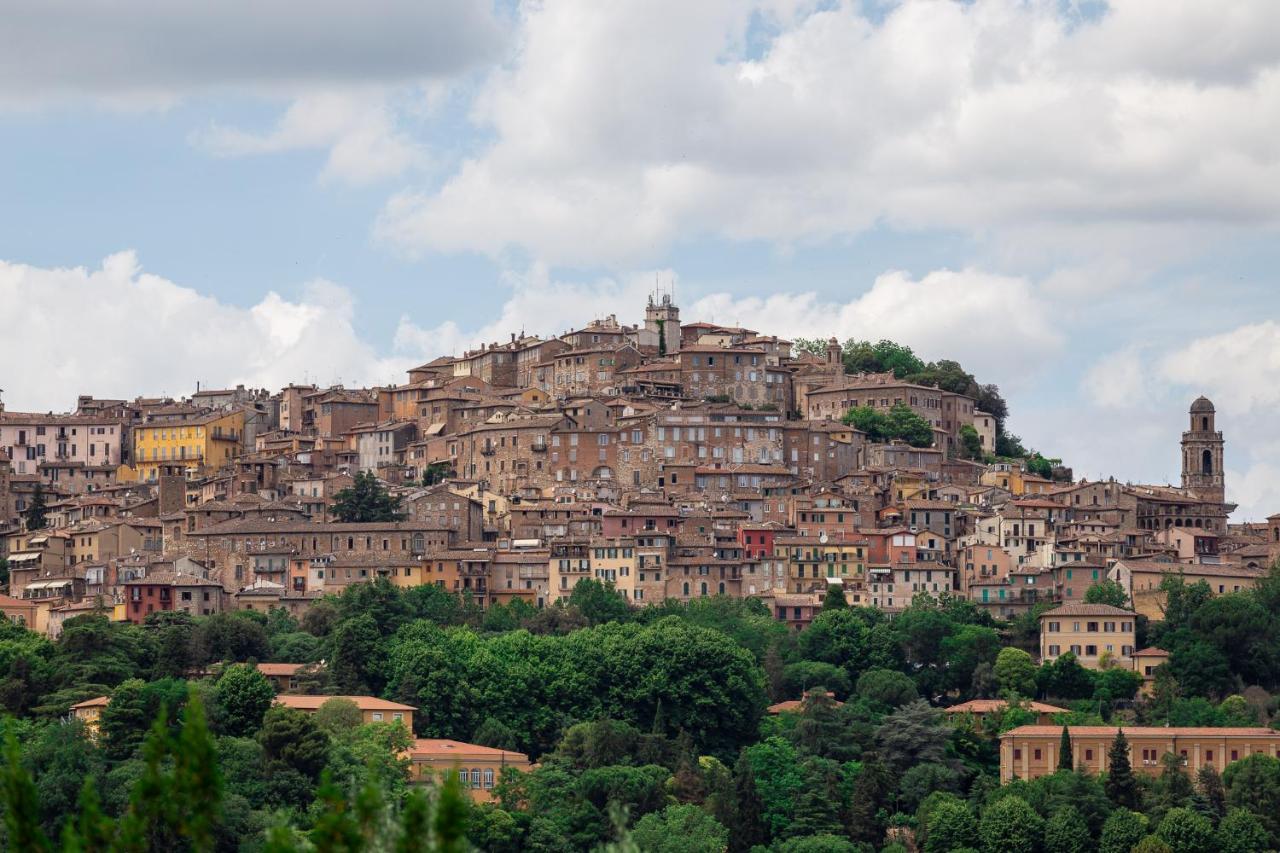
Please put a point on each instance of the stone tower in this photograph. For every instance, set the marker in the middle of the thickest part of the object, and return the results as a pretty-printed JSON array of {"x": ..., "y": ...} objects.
[
  {"x": 1202, "y": 454},
  {"x": 662, "y": 318}
]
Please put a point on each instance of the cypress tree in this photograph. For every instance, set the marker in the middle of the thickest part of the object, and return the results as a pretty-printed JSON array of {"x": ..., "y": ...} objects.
[
  {"x": 1064, "y": 751},
  {"x": 92, "y": 831},
  {"x": 1122, "y": 788},
  {"x": 747, "y": 830},
  {"x": 37, "y": 513},
  {"x": 22, "y": 809},
  {"x": 451, "y": 816}
]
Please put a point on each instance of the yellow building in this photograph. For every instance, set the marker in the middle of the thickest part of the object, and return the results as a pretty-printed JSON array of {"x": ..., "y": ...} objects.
[
  {"x": 191, "y": 443},
  {"x": 614, "y": 561},
  {"x": 89, "y": 712},
  {"x": 1029, "y": 752},
  {"x": 1094, "y": 633}
]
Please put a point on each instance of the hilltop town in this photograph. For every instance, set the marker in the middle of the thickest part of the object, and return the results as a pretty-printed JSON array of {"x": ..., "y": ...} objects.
[
  {"x": 830, "y": 567},
  {"x": 671, "y": 460}
]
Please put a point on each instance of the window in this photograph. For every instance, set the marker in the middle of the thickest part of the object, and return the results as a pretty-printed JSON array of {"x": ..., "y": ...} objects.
[
  {"x": 1017, "y": 754},
  {"x": 1036, "y": 755},
  {"x": 377, "y": 716},
  {"x": 488, "y": 778},
  {"x": 1088, "y": 755}
]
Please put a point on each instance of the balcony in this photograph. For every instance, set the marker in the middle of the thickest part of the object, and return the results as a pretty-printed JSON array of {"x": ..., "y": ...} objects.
[
  {"x": 538, "y": 447},
  {"x": 488, "y": 450}
]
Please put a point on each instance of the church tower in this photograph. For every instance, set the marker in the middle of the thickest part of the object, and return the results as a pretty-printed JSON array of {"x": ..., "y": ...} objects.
[
  {"x": 662, "y": 319},
  {"x": 1202, "y": 454}
]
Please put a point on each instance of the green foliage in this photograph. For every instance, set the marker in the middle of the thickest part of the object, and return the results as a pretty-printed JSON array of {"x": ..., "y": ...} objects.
[
  {"x": 1122, "y": 831},
  {"x": 1185, "y": 831},
  {"x": 900, "y": 423},
  {"x": 1107, "y": 592},
  {"x": 834, "y": 598},
  {"x": 242, "y": 696},
  {"x": 1066, "y": 832},
  {"x": 37, "y": 513},
  {"x": 366, "y": 500},
  {"x": 886, "y": 688},
  {"x": 949, "y": 826},
  {"x": 1253, "y": 784},
  {"x": 1009, "y": 825},
  {"x": 599, "y": 602},
  {"x": 1240, "y": 832},
  {"x": 680, "y": 829},
  {"x": 971, "y": 443},
  {"x": 1122, "y": 787}
]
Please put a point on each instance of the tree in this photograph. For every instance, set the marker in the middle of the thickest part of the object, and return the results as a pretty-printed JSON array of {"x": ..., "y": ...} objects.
[
  {"x": 834, "y": 599},
  {"x": 1210, "y": 789},
  {"x": 1240, "y": 832},
  {"x": 680, "y": 829},
  {"x": 887, "y": 688},
  {"x": 778, "y": 780},
  {"x": 1123, "y": 829},
  {"x": 904, "y": 424},
  {"x": 1107, "y": 592},
  {"x": 1009, "y": 825},
  {"x": 436, "y": 472},
  {"x": 913, "y": 734},
  {"x": 1016, "y": 672},
  {"x": 747, "y": 829},
  {"x": 1064, "y": 750},
  {"x": 1253, "y": 784},
  {"x": 366, "y": 500},
  {"x": 1067, "y": 832},
  {"x": 970, "y": 442},
  {"x": 338, "y": 716},
  {"x": 951, "y": 825},
  {"x": 599, "y": 601},
  {"x": 1066, "y": 678},
  {"x": 1185, "y": 831},
  {"x": 37, "y": 513},
  {"x": 229, "y": 637},
  {"x": 22, "y": 810},
  {"x": 1122, "y": 787},
  {"x": 242, "y": 696}
]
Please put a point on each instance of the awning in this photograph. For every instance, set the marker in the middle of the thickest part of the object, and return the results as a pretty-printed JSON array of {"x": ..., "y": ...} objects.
[
  {"x": 49, "y": 584},
  {"x": 434, "y": 429},
  {"x": 24, "y": 557}
]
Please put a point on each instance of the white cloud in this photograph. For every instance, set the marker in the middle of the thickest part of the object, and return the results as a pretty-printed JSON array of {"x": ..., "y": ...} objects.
[
  {"x": 622, "y": 128},
  {"x": 359, "y": 128},
  {"x": 1134, "y": 408},
  {"x": 996, "y": 326},
  {"x": 1239, "y": 368},
  {"x": 118, "y": 331}
]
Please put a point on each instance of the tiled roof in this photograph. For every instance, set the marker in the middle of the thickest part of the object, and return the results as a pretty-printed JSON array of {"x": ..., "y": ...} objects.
[{"x": 1144, "y": 731}]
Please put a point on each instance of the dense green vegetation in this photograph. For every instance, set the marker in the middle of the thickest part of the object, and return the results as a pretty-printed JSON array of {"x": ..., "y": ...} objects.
[
  {"x": 367, "y": 500},
  {"x": 897, "y": 424},
  {"x": 891, "y": 357},
  {"x": 649, "y": 727}
]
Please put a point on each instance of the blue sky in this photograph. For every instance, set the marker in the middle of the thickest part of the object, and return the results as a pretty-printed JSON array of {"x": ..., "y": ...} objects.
[{"x": 1078, "y": 201}]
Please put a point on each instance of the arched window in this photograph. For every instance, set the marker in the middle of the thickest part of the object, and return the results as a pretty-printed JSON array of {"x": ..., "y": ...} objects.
[
  {"x": 1204, "y": 424},
  {"x": 1206, "y": 462},
  {"x": 686, "y": 587},
  {"x": 704, "y": 588},
  {"x": 722, "y": 587}
]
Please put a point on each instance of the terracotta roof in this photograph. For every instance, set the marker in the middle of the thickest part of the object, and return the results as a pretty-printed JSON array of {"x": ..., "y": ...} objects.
[
  {"x": 279, "y": 668},
  {"x": 441, "y": 748},
  {"x": 364, "y": 703},
  {"x": 1144, "y": 731},
  {"x": 986, "y": 706},
  {"x": 1087, "y": 610},
  {"x": 1149, "y": 652},
  {"x": 96, "y": 702}
]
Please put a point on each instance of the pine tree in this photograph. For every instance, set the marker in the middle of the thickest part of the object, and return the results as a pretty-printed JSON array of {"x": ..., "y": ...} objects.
[
  {"x": 774, "y": 673},
  {"x": 22, "y": 809},
  {"x": 37, "y": 513},
  {"x": 415, "y": 824},
  {"x": 1210, "y": 789},
  {"x": 366, "y": 500},
  {"x": 870, "y": 790},
  {"x": 747, "y": 830},
  {"x": 197, "y": 785},
  {"x": 835, "y": 599},
  {"x": 1122, "y": 788},
  {"x": 1064, "y": 751},
  {"x": 91, "y": 831},
  {"x": 451, "y": 816}
]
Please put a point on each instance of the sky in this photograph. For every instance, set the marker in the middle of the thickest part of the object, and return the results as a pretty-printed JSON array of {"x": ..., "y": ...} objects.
[{"x": 1076, "y": 200}]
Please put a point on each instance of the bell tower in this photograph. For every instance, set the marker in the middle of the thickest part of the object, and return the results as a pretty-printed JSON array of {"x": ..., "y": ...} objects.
[
  {"x": 662, "y": 320},
  {"x": 1202, "y": 454}
]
